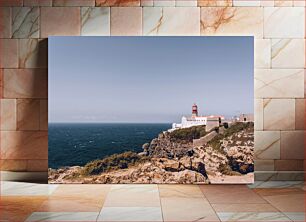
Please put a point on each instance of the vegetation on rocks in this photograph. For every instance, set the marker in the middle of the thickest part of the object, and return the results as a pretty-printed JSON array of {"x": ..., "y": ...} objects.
[
  {"x": 113, "y": 162},
  {"x": 188, "y": 134},
  {"x": 235, "y": 128}
]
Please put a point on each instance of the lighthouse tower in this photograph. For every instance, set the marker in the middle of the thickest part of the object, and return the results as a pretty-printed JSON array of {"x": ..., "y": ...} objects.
[{"x": 194, "y": 110}]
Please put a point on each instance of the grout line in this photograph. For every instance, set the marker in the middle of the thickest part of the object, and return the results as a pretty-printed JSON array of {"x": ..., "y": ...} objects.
[
  {"x": 209, "y": 201},
  {"x": 104, "y": 201},
  {"x": 161, "y": 208}
]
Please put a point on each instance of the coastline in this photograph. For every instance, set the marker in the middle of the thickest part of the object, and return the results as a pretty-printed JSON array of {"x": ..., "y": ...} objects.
[{"x": 167, "y": 159}]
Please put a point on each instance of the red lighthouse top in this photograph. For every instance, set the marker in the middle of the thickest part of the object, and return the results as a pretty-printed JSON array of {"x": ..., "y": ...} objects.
[{"x": 194, "y": 110}]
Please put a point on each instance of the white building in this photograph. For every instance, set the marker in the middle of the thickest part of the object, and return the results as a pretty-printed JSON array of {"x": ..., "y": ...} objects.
[{"x": 196, "y": 120}]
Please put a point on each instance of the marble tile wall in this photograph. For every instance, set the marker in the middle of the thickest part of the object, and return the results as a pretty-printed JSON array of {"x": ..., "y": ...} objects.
[{"x": 277, "y": 25}]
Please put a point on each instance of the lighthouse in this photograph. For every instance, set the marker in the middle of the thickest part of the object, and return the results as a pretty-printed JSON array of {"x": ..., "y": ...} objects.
[
  {"x": 194, "y": 110},
  {"x": 195, "y": 120}
]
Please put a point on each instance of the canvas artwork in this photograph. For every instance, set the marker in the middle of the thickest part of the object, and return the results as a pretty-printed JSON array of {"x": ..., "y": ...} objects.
[{"x": 151, "y": 110}]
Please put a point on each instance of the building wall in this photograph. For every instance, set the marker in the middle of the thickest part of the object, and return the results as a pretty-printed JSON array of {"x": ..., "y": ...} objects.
[{"x": 278, "y": 27}]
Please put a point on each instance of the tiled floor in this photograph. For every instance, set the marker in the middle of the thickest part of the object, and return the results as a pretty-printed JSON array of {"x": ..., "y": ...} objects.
[{"x": 269, "y": 201}]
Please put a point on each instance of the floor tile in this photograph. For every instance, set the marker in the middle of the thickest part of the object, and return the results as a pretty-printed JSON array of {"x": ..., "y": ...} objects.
[
  {"x": 96, "y": 191},
  {"x": 230, "y": 194},
  {"x": 187, "y": 209},
  {"x": 253, "y": 216},
  {"x": 63, "y": 216},
  {"x": 26, "y": 189},
  {"x": 266, "y": 192},
  {"x": 188, "y": 191},
  {"x": 71, "y": 204},
  {"x": 262, "y": 207},
  {"x": 296, "y": 216},
  {"x": 284, "y": 199},
  {"x": 18, "y": 208},
  {"x": 133, "y": 196},
  {"x": 130, "y": 214}
]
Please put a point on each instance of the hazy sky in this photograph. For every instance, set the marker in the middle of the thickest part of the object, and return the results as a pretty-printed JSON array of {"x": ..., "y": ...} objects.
[{"x": 148, "y": 79}]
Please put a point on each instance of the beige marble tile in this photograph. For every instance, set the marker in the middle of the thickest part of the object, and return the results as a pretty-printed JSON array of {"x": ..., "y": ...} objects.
[
  {"x": 91, "y": 191},
  {"x": 5, "y": 22},
  {"x": 262, "y": 52},
  {"x": 212, "y": 3},
  {"x": 276, "y": 184},
  {"x": 26, "y": 189},
  {"x": 133, "y": 196},
  {"x": 73, "y": 2},
  {"x": 25, "y": 83},
  {"x": 33, "y": 53},
  {"x": 187, "y": 209},
  {"x": 230, "y": 194},
  {"x": 288, "y": 53},
  {"x": 164, "y": 3},
  {"x": 8, "y": 53},
  {"x": 299, "y": 3},
  {"x": 305, "y": 83},
  {"x": 1, "y": 83},
  {"x": 249, "y": 3},
  {"x": 51, "y": 17},
  {"x": 8, "y": 114},
  {"x": 130, "y": 214},
  {"x": 24, "y": 145},
  {"x": 13, "y": 165},
  {"x": 171, "y": 21},
  {"x": 63, "y": 216},
  {"x": 123, "y": 3},
  {"x": 285, "y": 199},
  {"x": 253, "y": 216},
  {"x": 28, "y": 114},
  {"x": 279, "y": 114},
  {"x": 95, "y": 21},
  {"x": 25, "y": 22},
  {"x": 37, "y": 2},
  {"x": 37, "y": 165},
  {"x": 71, "y": 204},
  {"x": 258, "y": 114},
  {"x": 278, "y": 22},
  {"x": 279, "y": 83},
  {"x": 232, "y": 21},
  {"x": 262, "y": 207},
  {"x": 126, "y": 21},
  {"x": 186, "y": 3},
  {"x": 296, "y": 216},
  {"x": 146, "y": 3},
  {"x": 43, "y": 116},
  {"x": 279, "y": 176},
  {"x": 289, "y": 165},
  {"x": 267, "y": 3},
  {"x": 300, "y": 114},
  {"x": 18, "y": 208},
  {"x": 292, "y": 144},
  {"x": 264, "y": 165},
  {"x": 5, "y": 3},
  {"x": 283, "y": 3},
  {"x": 267, "y": 145},
  {"x": 179, "y": 191}
]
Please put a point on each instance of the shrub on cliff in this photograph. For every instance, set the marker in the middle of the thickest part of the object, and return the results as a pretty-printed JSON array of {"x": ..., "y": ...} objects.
[
  {"x": 113, "y": 162},
  {"x": 231, "y": 130},
  {"x": 188, "y": 134}
]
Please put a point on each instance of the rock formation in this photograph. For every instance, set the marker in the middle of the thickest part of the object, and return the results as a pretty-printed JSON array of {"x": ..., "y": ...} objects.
[{"x": 221, "y": 152}]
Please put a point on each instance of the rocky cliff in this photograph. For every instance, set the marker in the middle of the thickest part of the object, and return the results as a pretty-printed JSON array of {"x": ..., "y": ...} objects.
[{"x": 173, "y": 158}]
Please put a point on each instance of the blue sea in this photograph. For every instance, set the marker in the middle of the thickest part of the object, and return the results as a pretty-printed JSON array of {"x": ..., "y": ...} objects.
[{"x": 72, "y": 144}]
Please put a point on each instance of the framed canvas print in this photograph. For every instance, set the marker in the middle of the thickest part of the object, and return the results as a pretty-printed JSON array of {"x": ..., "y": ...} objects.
[{"x": 151, "y": 110}]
